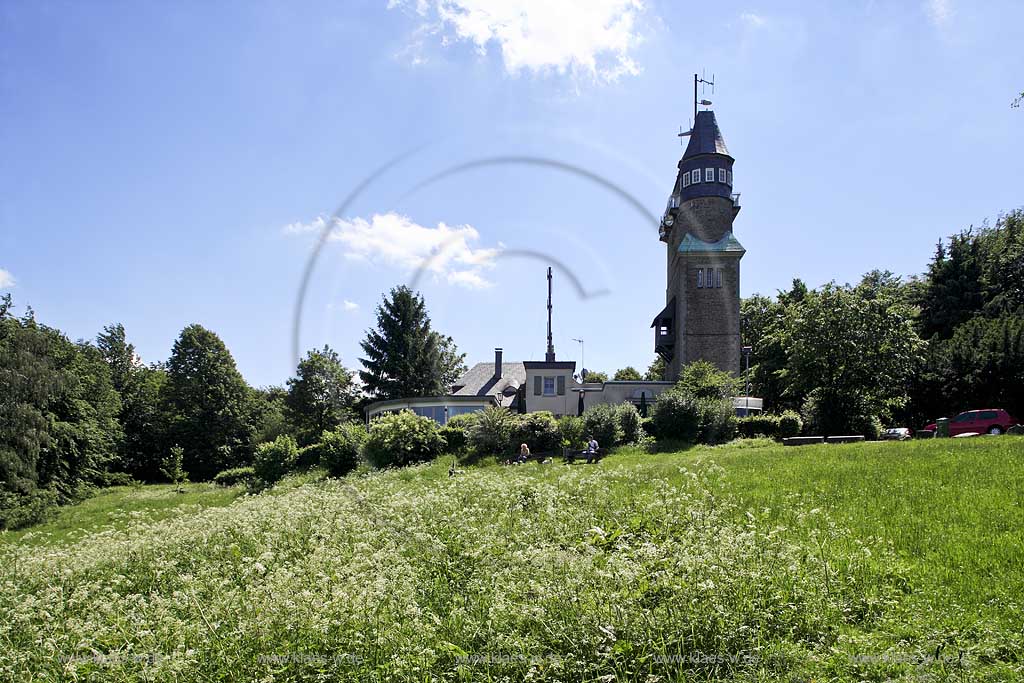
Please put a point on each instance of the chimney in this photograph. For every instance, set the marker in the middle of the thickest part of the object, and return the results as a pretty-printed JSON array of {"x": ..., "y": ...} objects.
[{"x": 497, "y": 363}]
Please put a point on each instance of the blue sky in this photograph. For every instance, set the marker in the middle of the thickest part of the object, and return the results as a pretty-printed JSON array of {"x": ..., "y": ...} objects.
[{"x": 170, "y": 163}]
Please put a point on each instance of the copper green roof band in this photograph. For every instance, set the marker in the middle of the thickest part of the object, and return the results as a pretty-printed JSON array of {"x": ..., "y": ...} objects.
[{"x": 690, "y": 244}]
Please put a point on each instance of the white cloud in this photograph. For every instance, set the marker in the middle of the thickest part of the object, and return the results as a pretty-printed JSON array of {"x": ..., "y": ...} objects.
[
  {"x": 395, "y": 240},
  {"x": 6, "y": 279},
  {"x": 351, "y": 306},
  {"x": 752, "y": 20},
  {"x": 940, "y": 12},
  {"x": 582, "y": 37}
]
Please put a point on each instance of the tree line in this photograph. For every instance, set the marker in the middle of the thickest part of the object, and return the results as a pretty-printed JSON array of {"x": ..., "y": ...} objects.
[{"x": 75, "y": 415}]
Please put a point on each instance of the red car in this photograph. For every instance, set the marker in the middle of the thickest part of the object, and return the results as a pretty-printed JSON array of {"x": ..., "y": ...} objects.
[{"x": 987, "y": 421}]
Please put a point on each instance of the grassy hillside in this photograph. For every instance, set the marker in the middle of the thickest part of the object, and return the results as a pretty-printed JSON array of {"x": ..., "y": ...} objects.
[{"x": 747, "y": 562}]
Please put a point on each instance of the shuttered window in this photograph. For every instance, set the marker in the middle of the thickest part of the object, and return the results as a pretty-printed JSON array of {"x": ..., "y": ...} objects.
[
  {"x": 561, "y": 385},
  {"x": 538, "y": 385}
]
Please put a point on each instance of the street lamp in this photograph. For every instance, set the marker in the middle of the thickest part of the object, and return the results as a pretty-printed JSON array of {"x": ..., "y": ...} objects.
[{"x": 583, "y": 370}]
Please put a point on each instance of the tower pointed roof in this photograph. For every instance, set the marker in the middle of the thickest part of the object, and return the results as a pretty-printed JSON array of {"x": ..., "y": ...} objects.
[{"x": 705, "y": 138}]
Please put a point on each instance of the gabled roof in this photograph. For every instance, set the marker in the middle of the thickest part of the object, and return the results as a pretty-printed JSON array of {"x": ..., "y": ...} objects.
[
  {"x": 479, "y": 380},
  {"x": 705, "y": 138},
  {"x": 690, "y": 244}
]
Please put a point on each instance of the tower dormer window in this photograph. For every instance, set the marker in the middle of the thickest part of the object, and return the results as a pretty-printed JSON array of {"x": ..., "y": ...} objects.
[
  {"x": 686, "y": 180},
  {"x": 709, "y": 175},
  {"x": 700, "y": 278},
  {"x": 695, "y": 176},
  {"x": 721, "y": 175}
]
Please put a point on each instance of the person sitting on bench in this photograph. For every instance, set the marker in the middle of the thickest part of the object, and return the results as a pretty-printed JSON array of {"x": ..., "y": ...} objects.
[{"x": 591, "y": 450}]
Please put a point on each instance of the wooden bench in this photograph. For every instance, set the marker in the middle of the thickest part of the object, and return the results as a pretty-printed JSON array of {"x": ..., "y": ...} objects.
[
  {"x": 516, "y": 459},
  {"x": 848, "y": 438},
  {"x": 571, "y": 455},
  {"x": 803, "y": 440}
]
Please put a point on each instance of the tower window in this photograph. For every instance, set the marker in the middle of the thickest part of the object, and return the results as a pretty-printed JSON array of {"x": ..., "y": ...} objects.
[
  {"x": 700, "y": 278},
  {"x": 686, "y": 180},
  {"x": 721, "y": 175},
  {"x": 718, "y": 278},
  {"x": 695, "y": 176},
  {"x": 709, "y": 175},
  {"x": 729, "y": 176}
]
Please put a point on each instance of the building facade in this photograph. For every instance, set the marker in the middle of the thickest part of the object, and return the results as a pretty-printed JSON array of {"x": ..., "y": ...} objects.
[{"x": 701, "y": 318}]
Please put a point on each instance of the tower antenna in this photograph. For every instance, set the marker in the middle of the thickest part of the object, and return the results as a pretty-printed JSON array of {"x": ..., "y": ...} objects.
[
  {"x": 550, "y": 355},
  {"x": 703, "y": 81}
]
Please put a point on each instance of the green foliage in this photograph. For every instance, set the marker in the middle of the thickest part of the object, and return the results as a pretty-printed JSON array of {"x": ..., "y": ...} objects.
[
  {"x": 340, "y": 449},
  {"x": 493, "y": 431},
  {"x": 602, "y": 423},
  {"x": 269, "y": 413},
  {"x": 596, "y": 376},
  {"x": 828, "y": 412},
  {"x": 656, "y": 370},
  {"x": 790, "y": 424},
  {"x": 276, "y": 458},
  {"x": 404, "y": 356},
  {"x": 173, "y": 466},
  {"x": 145, "y": 422},
  {"x": 703, "y": 380},
  {"x": 455, "y": 438},
  {"x": 571, "y": 431},
  {"x": 676, "y": 416},
  {"x": 627, "y": 373},
  {"x": 22, "y": 509},
  {"x": 753, "y": 426},
  {"x": 463, "y": 421},
  {"x": 235, "y": 476},
  {"x": 629, "y": 423},
  {"x": 320, "y": 396},
  {"x": 209, "y": 402},
  {"x": 539, "y": 431},
  {"x": 401, "y": 439}
]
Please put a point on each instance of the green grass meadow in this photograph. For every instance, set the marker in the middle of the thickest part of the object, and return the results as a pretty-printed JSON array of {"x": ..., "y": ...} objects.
[{"x": 744, "y": 562}]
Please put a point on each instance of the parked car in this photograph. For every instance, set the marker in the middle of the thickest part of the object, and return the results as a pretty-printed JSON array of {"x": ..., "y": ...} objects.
[
  {"x": 986, "y": 421},
  {"x": 896, "y": 434}
]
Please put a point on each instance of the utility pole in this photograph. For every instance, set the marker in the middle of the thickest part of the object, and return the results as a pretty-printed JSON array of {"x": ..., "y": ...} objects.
[{"x": 550, "y": 355}]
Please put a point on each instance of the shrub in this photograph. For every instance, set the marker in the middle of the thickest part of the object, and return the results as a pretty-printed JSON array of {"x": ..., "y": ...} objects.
[
  {"x": 571, "y": 431},
  {"x": 402, "y": 439},
  {"x": 309, "y": 457},
  {"x": 234, "y": 476},
  {"x": 340, "y": 448},
  {"x": 629, "y": 423},
  {"x": 703, "y": 380},
  {"x": 455, "y": 438},
  {"x": 717, "y": 420},
  {"x": 19, "y": 510},
  {"x": 276, "y": 458},
  {"x": 647, "y": 425},
  {"x": 464, "y": 421},
  {"x": 831, "y": 413},
  {"x": 753, "y": 426},
  {"x": 790, "y": 424},
  {"x": 676, "y": 415},
  {"x": 602, "y": 422},
  {"x": 493, "y": 430},
  {"x": 537, "y": 430}
]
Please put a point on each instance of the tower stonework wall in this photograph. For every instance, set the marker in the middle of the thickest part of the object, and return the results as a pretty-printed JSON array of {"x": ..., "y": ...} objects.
[{"x": 702, "y": 249}]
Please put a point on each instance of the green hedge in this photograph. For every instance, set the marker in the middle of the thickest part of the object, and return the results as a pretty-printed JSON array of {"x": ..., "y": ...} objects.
[
  {"x": 235, "y": 475},
  {"x": 781, "y": 426}
]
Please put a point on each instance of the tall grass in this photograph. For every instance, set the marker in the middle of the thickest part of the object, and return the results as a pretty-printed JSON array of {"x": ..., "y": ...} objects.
[{"x": 871, "y": 562}]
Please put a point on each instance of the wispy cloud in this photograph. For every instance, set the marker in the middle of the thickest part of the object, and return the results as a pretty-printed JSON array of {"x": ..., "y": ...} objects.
[
  {"x": 752, "y": 19},
  {"x": 6, "y": 279},
  {"x": 939, "y": 12},
  {"x": 592, "y": 38},
  {"x": 395, "y": 240},
  {"x": 350, "y": 306}
]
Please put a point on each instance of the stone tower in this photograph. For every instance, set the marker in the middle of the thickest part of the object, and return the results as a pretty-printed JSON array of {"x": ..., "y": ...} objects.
[{"x": 701, "y": 319}]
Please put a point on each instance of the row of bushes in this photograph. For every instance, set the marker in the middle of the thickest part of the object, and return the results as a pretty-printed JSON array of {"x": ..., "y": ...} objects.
[{"x": 781, "y": 426}]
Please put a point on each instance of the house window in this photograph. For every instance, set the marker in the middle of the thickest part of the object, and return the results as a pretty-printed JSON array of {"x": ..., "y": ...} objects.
[
  {"x": 695, "y": 176},
  {"x": 718, "y": 278},
  {"x": 721, "y": 175},
  {"x": 709, "y": 175},
  {"x": 700, "y": 278},
  {"x": 686, "y": 180},
  {"x": 549, "y": 386}
]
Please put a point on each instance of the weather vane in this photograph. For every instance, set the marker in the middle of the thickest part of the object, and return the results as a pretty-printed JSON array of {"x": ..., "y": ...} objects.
[{"x": 702, "y": 80}]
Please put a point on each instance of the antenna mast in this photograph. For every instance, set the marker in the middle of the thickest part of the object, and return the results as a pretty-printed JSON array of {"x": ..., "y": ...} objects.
[
  {"x": 550, "y": 355},
  {"x": 703, "y": 81}
]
